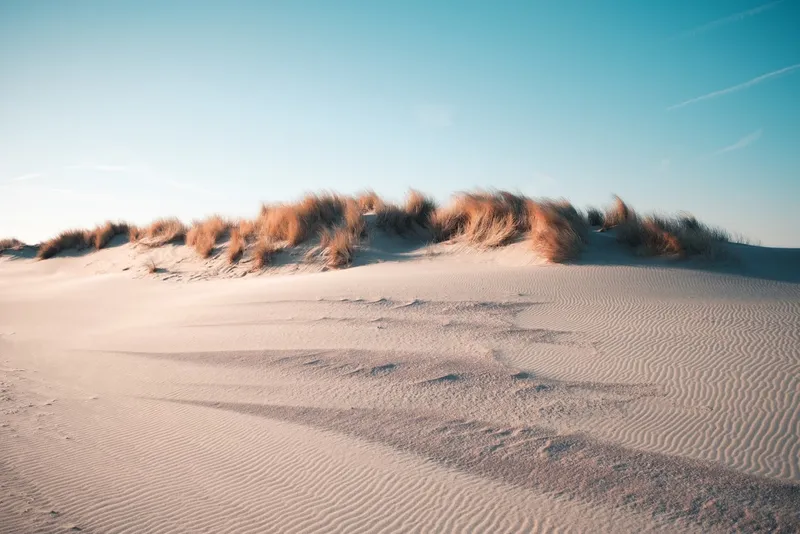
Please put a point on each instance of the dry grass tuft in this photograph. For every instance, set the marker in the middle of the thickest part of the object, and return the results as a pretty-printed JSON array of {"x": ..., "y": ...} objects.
[
  {"x": 594, "y": 217},
  {"x": 354, "y": 219},
  {"x": 71, "y": 239},
  {"x": 104, "y": 233},
  {"x": 557, "y": 231},
  {"x": 263, "y": 253},
  {"x": 482, "y": 218},
  {"x": 338, "y": 247},
  {"x": 369, "y": 201},
  {"x": 294, "y": 223},
  {"x": 236, "y": 246},
  {"x": 415, "y": 215},
  {"x": 151, "y": 266},
  {"x": 203, "y": 235},
  {"x": 159, "y": 233},
  {"x": 10, "y": 244},
  {"x": 618, "y": 213},
  {"x": 680, "y": 236}
]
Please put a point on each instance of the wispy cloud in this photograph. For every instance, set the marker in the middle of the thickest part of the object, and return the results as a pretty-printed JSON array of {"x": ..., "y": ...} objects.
[
  {"x": 26, "y": 177},
  {"x": 728, "y": 20},
  {"x": 740, "y": 87},
  {"x": 100, "y": 168},
  {"x": 745, "y": 141}
]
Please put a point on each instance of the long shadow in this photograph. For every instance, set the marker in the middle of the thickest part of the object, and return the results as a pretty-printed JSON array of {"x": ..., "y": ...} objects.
[{"x": 765, "y": 263}]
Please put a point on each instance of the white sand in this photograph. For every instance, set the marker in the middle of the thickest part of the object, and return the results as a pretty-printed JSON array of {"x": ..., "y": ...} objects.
[{"x": 425, "y": 391}]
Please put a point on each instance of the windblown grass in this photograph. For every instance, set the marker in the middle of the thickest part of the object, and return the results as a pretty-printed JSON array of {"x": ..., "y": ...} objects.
[
  {"x": 263, "y": 252},
  {"x": 369, "y": 201},
  {"x": 338, "y": 247},
  {"x": 10, "y": 244},
  {"x": 678, "y": 236},
  {"x": 555, "y": 229},
  {"x": 102, "y": 235},
  {"x": 159, "y": 233},
  {"x": 294, "y": 223},
  {"x": 558, "y": 232},
  {"x": 414, "y": 216},
  {"x": 68, "y": 240},
  {"x": 618, "y": 213},
  {"x": 488, "y": 219},
  {"x": 595, "y": 217},
  {"x": 203, "y": 235},
  {"x": 236, "y": 246}
]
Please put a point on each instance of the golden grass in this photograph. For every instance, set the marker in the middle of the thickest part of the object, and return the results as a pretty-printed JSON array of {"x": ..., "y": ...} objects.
[
  {"x": 102, "y": 234},
  {"x": 679, "y": 236},
  {"x": 263, "y": 252},
  {"x": 159, "y": 232},
  {"x": 294, "y": 223},
  {"x": 70, "y": 239},
  {"x": 338, "y": 247},
  {"x": 151, "y": 266},
  {"x": 10, "y": 244},
  {"x": 203, "y": 235},
  {"x": 489, "y": 219},
  {"x": 618, "y": 213},
  {"x": 414, "y": 215},
  {"x": 557, "y": 230},
  {"x": 369, "y": 201},
  {"x": 236, "y": 246}
]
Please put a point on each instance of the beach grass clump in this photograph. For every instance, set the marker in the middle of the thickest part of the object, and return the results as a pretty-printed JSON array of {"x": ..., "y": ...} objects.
[
  {"x": 678, "y": 236},
  {"x": 159, "y": 233},
  {"x": 236, "y": 245},
  {"x": 68, "y": 240},
  {"x": 369, "y": 201},
  {"x": 595, "y": 217},
  {"x": 414, "y": 215},
  {"x": 102, "y": 234},
  {"x": 10, "y": 244},
  {"x": 338, "y": 247},
  {"x": 294, "y": 223},
  {"x": 263, "y": 252},
  {"x": 488, "y": 219},
  {"x": 616, "y": 214},
  {"x": 203, "y": 235},
  {"x": 558, "y": 232}
]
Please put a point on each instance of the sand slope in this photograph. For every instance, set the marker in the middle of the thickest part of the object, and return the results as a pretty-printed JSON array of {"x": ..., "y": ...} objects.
[{"x": 440, "y": 390}]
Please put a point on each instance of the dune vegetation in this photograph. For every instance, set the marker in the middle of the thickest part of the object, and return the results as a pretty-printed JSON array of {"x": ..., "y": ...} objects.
[{"x": 332, "y": 227}]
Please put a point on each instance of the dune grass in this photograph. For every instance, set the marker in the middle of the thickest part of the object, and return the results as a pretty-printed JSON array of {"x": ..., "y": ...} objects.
[
  {"x": 159, "y": 233},
  {"x": 203, "y": 235},
  {"x": 595, "y": 217},
  {"x": 263, "y": 252},
  {"x": 236, "y": 246},
  {"x": 555, "y": 229},
  {"x": 485, "y": 219},
  {"x": 558, "y": 232},
  {"x": 10, "y": 244},
  {"x": 338, "y": 246},
  {"x": 414, "y": 216}
]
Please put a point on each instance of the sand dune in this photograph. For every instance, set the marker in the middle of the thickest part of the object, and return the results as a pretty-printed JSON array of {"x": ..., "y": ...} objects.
[{"x": 436, "y": 389}]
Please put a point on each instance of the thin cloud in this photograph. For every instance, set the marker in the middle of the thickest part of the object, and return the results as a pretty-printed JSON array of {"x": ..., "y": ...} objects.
[
  {"x": 736, "y": 17},
  {"x": 26, "y": 177},
  {"x": 100, "y": 168},
  {"x": 740, "y": 87},
  {"x": 745, "y": 141}
]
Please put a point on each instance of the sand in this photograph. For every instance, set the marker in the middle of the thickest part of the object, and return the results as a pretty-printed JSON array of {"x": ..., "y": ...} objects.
[{"x": 427, "y": 389}]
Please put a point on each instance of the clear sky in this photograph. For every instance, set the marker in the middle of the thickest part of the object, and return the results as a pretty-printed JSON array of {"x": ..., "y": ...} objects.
[{"x": 140, "y": 109}]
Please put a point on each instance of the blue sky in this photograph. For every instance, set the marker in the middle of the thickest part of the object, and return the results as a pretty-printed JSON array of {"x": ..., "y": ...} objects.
[{"x": 141, "y": 109}]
